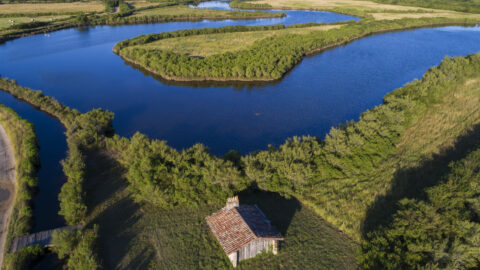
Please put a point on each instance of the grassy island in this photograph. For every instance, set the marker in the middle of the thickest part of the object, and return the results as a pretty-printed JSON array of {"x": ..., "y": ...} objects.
[{"x": 267, "y": 55}]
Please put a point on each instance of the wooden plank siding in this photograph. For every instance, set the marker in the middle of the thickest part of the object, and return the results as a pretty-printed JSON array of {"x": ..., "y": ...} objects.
[{"x": 255, "y": 247}]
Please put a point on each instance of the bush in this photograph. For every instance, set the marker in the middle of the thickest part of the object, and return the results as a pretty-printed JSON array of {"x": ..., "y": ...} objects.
[{"x": 442, "y": 231}]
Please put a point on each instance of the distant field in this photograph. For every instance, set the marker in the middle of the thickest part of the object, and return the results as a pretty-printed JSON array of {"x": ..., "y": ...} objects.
[
  {"x": 458, "y": 5},
  {"x": 142, "y": 236},
  {"x": 5, "y": 22},
  {"x": 141, "y": 3},
  {"x": 94, "y": 6},
  {"x": 186, "y": 11},
  {"x": 379, "y": 11},
  {"x": 205, "y": 45},
  {"x": 357, "y": 4}
]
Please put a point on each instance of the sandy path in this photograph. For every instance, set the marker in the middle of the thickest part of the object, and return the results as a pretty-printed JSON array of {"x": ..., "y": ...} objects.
[{"x": 7, "y": 186}]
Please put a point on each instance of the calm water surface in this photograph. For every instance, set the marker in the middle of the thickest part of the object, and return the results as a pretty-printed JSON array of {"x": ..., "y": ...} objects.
[{"x": 78, "y": 67}]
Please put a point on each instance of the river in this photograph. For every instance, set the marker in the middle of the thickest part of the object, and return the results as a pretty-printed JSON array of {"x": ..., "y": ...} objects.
[{"x": 78, "y": 67}]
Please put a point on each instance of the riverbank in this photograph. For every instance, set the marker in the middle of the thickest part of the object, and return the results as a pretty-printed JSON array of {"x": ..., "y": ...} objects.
[
  {"x": 158, "y": 13},
  {"x": 19, "y": 166},
  {"x": 7, "y": 187}
]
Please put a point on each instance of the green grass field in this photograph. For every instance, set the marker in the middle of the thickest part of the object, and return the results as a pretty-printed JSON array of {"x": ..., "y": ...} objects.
[
  {"x": 142, "y": 236},
  {"x": 5, "y": 22},
  {"x": 205, "y": 45},
  {"x": 24, "y": 8}
]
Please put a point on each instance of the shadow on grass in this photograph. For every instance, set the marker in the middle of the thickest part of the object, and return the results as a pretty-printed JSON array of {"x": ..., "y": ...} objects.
[
  {"x": 111, "y": 207},
  {"x": 412, "y": 182},
  {"x": 310, "y": 242},
  {"x": 279, "y": 210}
]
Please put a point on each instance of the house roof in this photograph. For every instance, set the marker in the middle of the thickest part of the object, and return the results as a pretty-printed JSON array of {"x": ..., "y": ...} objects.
[{"x": 237, "y": 226}]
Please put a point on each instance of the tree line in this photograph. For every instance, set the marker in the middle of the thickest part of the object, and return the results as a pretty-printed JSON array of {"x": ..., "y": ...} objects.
[
  {"x": 84, "y": 132},
  {"x": 246, "y": 5}
]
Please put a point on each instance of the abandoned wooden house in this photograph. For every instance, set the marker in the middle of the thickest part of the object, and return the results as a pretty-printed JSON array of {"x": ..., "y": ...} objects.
[{"x": 243, "y": 231}]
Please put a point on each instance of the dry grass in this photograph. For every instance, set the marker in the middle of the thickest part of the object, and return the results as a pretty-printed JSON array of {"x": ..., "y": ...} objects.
[
  {"x": 205, "y": 45},
  {"x": 433, "y": 134},
  {"x": 439, "y": 127},
  {"x": 443, "y": 14},
  {"x": 93, "y": 6},
  {"x": 141, "y": 3},
  {"x": 319, "y": 4},
  {"x": 182, "y": 10},
  {"x": 377, "y": 10}
]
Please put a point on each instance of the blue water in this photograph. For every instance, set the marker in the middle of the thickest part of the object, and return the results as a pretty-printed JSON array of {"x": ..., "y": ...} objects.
[
  {"x": 78, "y": 67},
  {"x": 293, "y": 16},
  {"x": 50, "y": 134}
]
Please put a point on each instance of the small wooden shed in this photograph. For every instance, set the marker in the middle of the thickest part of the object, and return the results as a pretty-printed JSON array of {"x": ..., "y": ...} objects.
[{"x": 243, "y": 231}]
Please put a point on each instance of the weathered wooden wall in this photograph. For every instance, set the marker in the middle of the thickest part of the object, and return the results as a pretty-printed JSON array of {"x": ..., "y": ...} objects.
[{"x": 255, "y": 247}]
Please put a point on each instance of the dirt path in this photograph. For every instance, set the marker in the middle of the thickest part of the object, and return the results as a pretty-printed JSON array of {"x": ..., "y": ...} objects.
[{"x": 7, "y": 186}]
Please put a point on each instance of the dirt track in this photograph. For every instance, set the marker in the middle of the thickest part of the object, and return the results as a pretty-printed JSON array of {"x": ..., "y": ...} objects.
[{"x": 7, "y": 186}]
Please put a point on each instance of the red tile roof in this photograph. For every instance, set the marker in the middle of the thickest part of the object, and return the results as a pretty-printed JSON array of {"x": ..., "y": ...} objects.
[{"x": 238, "y": 226}]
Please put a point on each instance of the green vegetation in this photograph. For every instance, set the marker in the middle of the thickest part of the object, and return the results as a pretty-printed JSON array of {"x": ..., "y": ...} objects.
[
  {"x": 266, "y": 59},
  {"x": 471, "y": 6},
  {"x": 342, "y": 176},
  {"x": 142, "y": 235},
  {"x": 22, "y": 137},
  {"x": 77, "y": 246},
  {"x": 382, "y": 179},
  {"x": 206, "y": 45},
  {"x": 162, "y": 176},
  {"x": 24, "y": 258},
  {"x": 348, "y": 178},
  {"x": 84, "y": 132},
  {"x": 439, "y": 231},
  {"x": 167, "y": 13},
  {"x": 244, "y": 5}
]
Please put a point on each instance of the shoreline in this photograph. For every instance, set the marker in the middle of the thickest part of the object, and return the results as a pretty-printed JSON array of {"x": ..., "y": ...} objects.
[{"x": 7, "y": 181}]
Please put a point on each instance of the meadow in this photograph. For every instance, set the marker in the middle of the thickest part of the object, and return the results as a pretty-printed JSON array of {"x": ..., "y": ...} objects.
[
  {"x": 205, "y": 45},
  {"x": 142, "y": 235}
]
